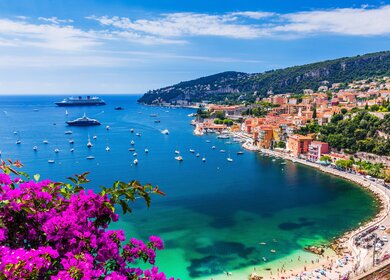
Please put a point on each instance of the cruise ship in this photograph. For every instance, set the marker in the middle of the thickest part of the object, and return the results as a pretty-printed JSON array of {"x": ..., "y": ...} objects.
[
  {"x": 84, "y": 121},
  {"x": 80, "y": 101}
]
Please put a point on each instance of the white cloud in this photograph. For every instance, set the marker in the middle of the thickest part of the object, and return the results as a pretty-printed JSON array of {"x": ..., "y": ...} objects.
[
  {"x": 52, "y": 36},
  {"x": 253, "y": 15},
  {"x": 55, "y": 20}
]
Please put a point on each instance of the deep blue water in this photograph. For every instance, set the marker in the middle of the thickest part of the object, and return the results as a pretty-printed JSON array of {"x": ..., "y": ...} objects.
[{"x": 215, "y": 213}]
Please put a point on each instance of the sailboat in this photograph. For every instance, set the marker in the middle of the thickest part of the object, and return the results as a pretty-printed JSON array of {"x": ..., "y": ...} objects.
[
  {"x": 18, "y": 141},
  {"x": 66, "y": 112},
  {"x": 89, "y": 144}
]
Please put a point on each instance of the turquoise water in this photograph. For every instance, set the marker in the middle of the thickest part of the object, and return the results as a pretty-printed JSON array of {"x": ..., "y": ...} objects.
[{"x": 216, "y": 213}]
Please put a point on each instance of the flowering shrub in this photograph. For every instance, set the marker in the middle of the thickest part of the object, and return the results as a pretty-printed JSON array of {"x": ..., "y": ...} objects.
[{"x": 51, "y": 230}]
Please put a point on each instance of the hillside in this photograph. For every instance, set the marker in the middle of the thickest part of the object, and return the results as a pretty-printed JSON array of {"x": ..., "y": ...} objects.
[{"x": 243, "y": 86}]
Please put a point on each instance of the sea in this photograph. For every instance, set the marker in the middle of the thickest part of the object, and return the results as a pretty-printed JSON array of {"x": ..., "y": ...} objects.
[{"x": 217, "y": 217}]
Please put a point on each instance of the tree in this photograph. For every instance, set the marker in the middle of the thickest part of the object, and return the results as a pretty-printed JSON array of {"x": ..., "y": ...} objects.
[
  {"x": 219, "y": 115},
  {"x": 53, "y": 230},
  {"x": 336, "y": 118},
  {"x": 344, "y": 164},
  {"x": 344, "y": 111},
  {"x": 325, "y": 158},
  {"x": 314, "y": 113},
  {"x": 281, "y": 144}
]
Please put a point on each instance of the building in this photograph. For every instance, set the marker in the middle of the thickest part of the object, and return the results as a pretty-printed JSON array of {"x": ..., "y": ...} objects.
[
  {"x": 298, "y": 144},
  {"x": 265, "y": 136},
  {"x": 317, "y": 149}
]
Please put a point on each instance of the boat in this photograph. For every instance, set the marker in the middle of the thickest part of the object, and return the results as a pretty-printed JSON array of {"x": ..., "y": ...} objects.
[
  {"x": 15, "y": 132},
  {"x": 273, "y": 251},
  {"x": 119, "y": 108},
  {"x": 107, "y": 127},
  {"x": 107, "y": 149},
  {"x": 51, "y": 161},
  {"x": 135, "y": 154},
  {"x": 131, "y": 130},
  {"x": 131, "y": 149},
  {"x": 66, "y": 112},
  {"x": 94, "y": 137},
  {"x": 71, "y": 141},
  {"x": 283, "y": 163},
  {"x": 45, "y": 142},
  {"x": 198, "y": 155},
  {"x": 222, "y": 151},
  {"x": 157, "y": 121},
  {"x": 264, "y": 259},
  {"x": 135, "y": 161},
  {"x": 153, "y": 115},
  {"x": 208, "y": 141},
  {"x": 138, "y": 134},
  {"x": 179, "y": 158},
  {"x": 71, "y": 150},
  {"x": 229, "y": 159},
  {"x": 35, "y": 148},
  {"x": 132, "y": 142},
  {"x": 240, "y": 153},
  {"x": 228, "y": 142},
  {"x": 204, "y": 159},
  {"x": 262, "y": 243},
  {"x": 165, "y": 131},
  {"x": 213, "y": 147},
  {"x": 90, "y": 157},
  {"x": 83, "y": 121},
  {"x": 273, "y": 159},
  {"x": 56, "y": 150},
  {"x": 177, "y": 152},
  {"x": 18, "y": 142},
  {"x": 68, "y": 132},
  {"x": 80, "y": 101},
  {"x": 223, "y": 136},
  {"x": 89, "y": 144},
  {"x": 191, "y": 115},
  {"x": 146, "y": 151},
  {"x": 192, "y": 151}
]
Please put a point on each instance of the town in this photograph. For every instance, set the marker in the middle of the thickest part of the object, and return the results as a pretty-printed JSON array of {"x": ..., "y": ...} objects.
[{"x": 295, "y": 125}]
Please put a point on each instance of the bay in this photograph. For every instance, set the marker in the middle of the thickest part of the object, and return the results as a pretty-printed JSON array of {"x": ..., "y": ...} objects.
[{"x": 216, "y": 213}]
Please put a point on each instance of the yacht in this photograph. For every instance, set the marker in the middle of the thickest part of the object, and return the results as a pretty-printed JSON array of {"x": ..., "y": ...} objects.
[
  {"x": 135, "y": 161},
  {"x": 45, "y": 142},
  {"x": 18, "y": 142},
  {"x": 71, "y": 141},
  {"x": 68, "y": 132},
  {"x": 204, "y": 159},
  {"x": 146, "y": 151},
  {"x": 223, "y": 136},
  {"x": 90, "y": 157},
  {"x": 83, "y": 121},
  {"x": 213, "y": 147},
  {"x": 80, "y": 101},
  {"x": 71, "y": 150},
  {"x": 135, "y": 154},
  {"x": 131, "y": 130},
  {"x": 197, "y": 155},
  {"x": 165, "y": 131},
  {"x": 51, "y": 161},
  {"x": 107, "y": 127},
  {"x": 94, "y": 137},
  {"x": 192, "y": 151},
  {"x": 131, "y": 149},
  {"x": 179, "y": 158},
  {"x": 138, "y": 134},
  {"x": 240, "y": 153}
]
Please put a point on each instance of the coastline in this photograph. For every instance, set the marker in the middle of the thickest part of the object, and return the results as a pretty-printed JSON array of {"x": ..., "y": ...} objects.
[{"x": 344, "y": 245}]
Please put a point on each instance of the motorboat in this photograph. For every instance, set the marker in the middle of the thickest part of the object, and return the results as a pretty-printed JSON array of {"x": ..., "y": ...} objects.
[
  {"x": 83, "y": 121},
  {"x": 90, "y": 157},
  {"x": 157, "y": 121},
  {"x": 107, "y": 127},
  {"x": 165, "y": 131},
  {"x": 192, "y": 151},
  {"x": 132, "y": 130},
  {"x": 18, "y": 142},
  {"x": 240, "y": 153},
  {"x": 204, "y": 159},
  {"x": 179, "y": 158},
  {"x": 146, "y": 151},
  {"x": 107, "y": 149},
  {"x": 51, "y": 161},
  {"x": 198, "y": 155},
  {"x": 45, "y": 142},
  {"x": 35, "y": 148},
  {"x": 56, "y": 150},
  {"x": 94, "y": 137},
  {"x": 68, "y": 132},
  {"x": 89, "y": 144},
  {"x": 229, "y": 159},
  {"x": 213, "y": 147},
  {"x": 131, "y": 149},
  {"x": 222, "y": 151},
  {"x": 177, "y": 152},
  {"x": 138, "y": 134},
  {"x": 208, "y": 141},
  {"x": 71, "y": 150},
  {"x": 71, "y": 141},
  {"x": 135, "y": 154},
  {"x": 132, "y": 142},
  {"x": 135, "y": 161}
]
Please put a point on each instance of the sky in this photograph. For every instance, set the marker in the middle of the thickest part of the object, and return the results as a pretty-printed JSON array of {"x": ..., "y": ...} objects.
[{"x": 132, "y": 46}]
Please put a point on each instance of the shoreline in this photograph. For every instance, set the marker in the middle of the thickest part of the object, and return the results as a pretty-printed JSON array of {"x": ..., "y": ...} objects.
[{"x": 344, "y": 244}]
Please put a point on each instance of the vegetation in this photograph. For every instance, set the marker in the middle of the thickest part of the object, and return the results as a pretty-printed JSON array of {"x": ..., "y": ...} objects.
[
  {"x": 359, "y": 133},
  {"x": 281, "y": 144},
  {"x": 344, "y": 163},
  {"x": 372, "y": 169},
  {"x": 234, "y": 87},
  {"x": 325, "y": 158},
  {"x": 54, "y": 230}
]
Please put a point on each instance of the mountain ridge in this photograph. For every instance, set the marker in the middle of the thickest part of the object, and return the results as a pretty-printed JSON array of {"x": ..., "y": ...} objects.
[{"x": 231, "y": 85}]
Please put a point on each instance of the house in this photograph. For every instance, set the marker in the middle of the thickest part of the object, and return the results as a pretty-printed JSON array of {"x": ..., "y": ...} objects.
[
  {"x": 317, "y": 149},
  {"x": 298, "y": 144}
]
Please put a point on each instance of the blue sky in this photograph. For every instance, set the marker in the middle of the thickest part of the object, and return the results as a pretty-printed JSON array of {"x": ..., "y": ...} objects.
[{"x": 118, "y": 46}]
